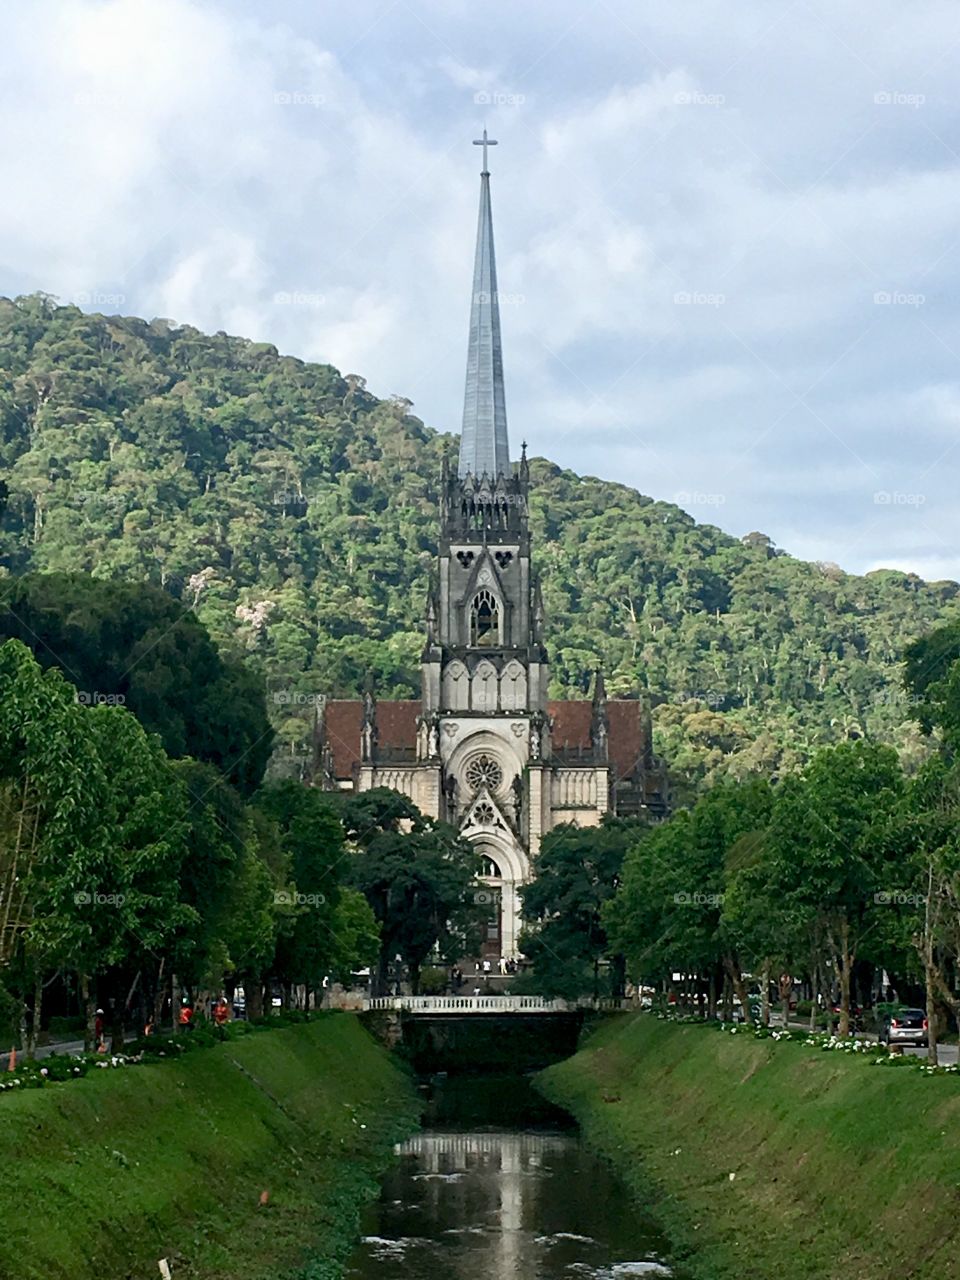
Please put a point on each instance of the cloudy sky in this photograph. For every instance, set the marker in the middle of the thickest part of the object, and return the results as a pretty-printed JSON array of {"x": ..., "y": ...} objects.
[{"x": 728, "y": 235}]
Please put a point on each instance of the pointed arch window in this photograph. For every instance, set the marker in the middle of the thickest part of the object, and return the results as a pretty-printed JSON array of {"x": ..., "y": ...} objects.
[
  {"x": 484, "y": 620},
  {"x": 489, "y": 869}
]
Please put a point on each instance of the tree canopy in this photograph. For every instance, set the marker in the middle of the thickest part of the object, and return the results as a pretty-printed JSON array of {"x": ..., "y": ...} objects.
[{"x": 296, "y": 513}]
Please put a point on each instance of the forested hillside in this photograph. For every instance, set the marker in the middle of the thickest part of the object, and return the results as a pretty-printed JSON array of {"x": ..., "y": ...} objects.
[{"x": 296, "y": 513}]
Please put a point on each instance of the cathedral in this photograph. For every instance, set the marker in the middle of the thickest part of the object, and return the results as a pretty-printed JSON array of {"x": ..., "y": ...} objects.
[{"x": 484, "y": 748}]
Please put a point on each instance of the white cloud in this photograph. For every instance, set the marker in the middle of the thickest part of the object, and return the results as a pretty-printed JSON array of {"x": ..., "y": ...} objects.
[{"x": 203, "y": 158}]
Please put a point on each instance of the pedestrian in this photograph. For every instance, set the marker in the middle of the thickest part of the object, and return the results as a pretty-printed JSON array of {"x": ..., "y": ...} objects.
[
  {"x": 221, "y": 1013},
  {"x": 185, "y": 1016},
  {"x": 98, "y": 1028}
]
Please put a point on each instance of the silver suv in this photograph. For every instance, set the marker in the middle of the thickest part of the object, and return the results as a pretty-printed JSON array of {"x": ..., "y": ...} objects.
[{"x": 905, "y": 1026}]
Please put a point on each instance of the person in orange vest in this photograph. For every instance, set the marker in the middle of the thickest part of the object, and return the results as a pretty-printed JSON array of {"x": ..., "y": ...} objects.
[
  {"x": 185, "y": 1016},
  {"x": 221, "y": 1012}
]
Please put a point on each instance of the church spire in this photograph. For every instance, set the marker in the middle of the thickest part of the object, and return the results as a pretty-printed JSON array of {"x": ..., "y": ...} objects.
[{"x": 483, "y": 439}]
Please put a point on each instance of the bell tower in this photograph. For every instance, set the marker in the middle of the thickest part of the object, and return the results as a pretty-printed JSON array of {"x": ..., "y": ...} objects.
[
  {"x": 484, "y": 666},
  {"x": 482, "y": 748}
]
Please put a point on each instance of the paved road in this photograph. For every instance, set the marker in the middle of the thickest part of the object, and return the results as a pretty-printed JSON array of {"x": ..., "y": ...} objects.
[
  {"x": 947, "y": 1054},
  {"x": 63, "y": 1048}
]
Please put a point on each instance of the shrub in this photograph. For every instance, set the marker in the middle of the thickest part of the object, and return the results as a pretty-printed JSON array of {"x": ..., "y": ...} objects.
[
  {"x": 72, "y": 1027},
  {"x": 433, "y": 981}
]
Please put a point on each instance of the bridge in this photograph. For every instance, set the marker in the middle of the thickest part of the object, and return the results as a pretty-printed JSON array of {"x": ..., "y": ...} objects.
[
  {"x": 457, "y": 1006},
  {"x": 485, "y": 1033}
]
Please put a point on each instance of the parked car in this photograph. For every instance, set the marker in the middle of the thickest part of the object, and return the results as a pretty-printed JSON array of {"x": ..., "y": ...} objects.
[
  {"x": 904, "y": 1026},
  {"x": 856, "y": 1015}
]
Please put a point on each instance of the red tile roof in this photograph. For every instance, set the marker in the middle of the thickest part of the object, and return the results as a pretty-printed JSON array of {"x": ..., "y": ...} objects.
[
  {"x": 627, "y": 743},
  {"x": 397, "y": 727}
]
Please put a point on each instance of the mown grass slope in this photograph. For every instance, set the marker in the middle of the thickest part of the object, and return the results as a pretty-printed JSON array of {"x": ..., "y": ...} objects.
[
  {"x": 105, "y": 1176},
  {"x": 773, "y": 1159}
]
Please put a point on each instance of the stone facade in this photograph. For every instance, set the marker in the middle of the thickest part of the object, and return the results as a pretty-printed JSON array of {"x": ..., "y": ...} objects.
[{"x": 484, "y": 748}]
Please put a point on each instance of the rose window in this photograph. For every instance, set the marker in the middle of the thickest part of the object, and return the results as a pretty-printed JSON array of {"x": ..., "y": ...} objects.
[
  {"x": 484, "y": 814},
  {"x": 483, "y": 771}
]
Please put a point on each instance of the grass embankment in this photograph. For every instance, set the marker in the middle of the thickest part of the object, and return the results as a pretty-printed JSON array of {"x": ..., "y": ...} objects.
[
  {"x": 104, "y": 1176},
  {"x": 769, "y": 1159}
]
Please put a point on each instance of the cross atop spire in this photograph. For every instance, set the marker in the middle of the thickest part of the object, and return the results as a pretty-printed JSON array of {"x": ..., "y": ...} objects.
[
  {"x": 485, "y": 142},
  {"x": 484, "y": 449}
]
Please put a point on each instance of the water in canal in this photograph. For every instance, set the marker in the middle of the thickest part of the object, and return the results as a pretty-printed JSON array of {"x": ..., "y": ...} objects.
[{"x": 499, "y": 1186}]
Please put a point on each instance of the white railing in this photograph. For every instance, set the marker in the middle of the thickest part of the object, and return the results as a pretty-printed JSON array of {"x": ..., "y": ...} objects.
[{"x": 480, "y": 1004}]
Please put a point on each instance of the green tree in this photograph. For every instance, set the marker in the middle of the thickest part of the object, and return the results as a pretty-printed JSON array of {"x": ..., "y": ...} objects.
[
  {"x": 312, "y": 837},
  {"x": 419, "y": 878},
  {"x": 295, "y": 514},
  {"x": 670, "y": 912},
  {"x": 833, "y": 841},
  {"x": 356, "y": 936},
  {"x": 131, "y": 644},
  {"x": 576, "y": 872}
]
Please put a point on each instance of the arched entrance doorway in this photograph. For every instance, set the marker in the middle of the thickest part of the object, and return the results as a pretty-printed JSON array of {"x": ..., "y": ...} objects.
[{"x": 491, "y": 877}]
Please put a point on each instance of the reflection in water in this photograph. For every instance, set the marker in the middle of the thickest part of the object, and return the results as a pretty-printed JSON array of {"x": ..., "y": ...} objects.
[{"x": 503, "y": 1205}]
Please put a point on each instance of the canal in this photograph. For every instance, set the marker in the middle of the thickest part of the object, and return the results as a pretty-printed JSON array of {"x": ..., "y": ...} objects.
[{"x": 499, "y": 1184}]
